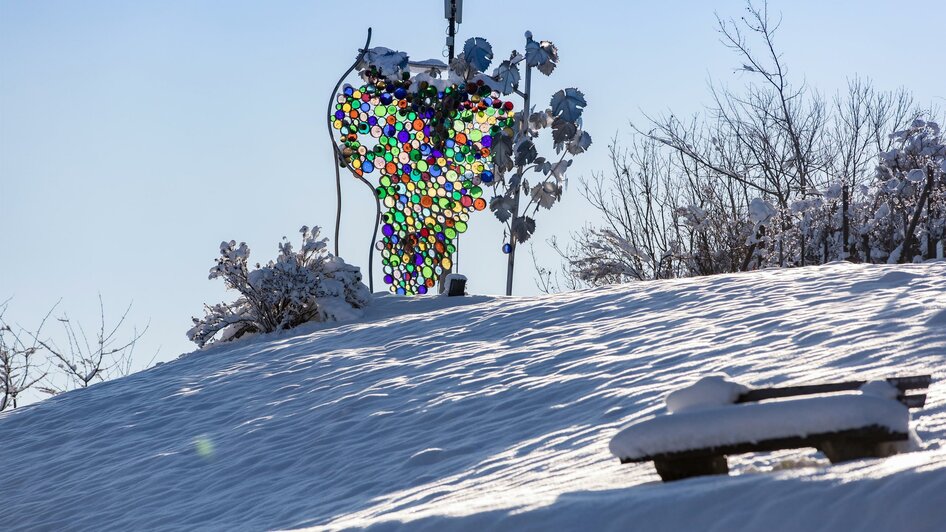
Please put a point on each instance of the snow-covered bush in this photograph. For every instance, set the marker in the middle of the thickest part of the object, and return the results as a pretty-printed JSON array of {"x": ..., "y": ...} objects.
[
  {"x": 909, "y": 196},
  {"x": 817, "y": 221},
  {"x": 662, "y": 221},
  {"x": 714, "y": 235},
  {"x": 900, "y": 216},
  {"x": 770, "y": 176},
  {"x": 298, "y": 287}
]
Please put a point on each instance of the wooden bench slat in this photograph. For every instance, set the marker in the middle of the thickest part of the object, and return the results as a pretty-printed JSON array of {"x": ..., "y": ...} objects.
[
  {"x": 915, "y": 382},
  {"x": 872, "y": 433},
  {"x": 901, "y": 383},
  {"x": 913, "y": 401}
]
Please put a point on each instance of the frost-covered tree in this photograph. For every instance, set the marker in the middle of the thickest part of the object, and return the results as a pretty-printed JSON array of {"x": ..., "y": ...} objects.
[
  {"x": 770, "y": 175},
  {"x": 909, "y": 196},
  {"x": 80, "y": 361},
  {"x": 55, "y": 363},
  {"x": 663, "y": 220},
  {"x": 896, "y": 215},
  {"x": 780, "y": 141},
  {"x": 300, "y": 286},
  {"x": 637, "y": 242}
]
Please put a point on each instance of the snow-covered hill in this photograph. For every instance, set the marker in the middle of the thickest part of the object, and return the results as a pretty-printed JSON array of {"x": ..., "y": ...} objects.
[{"x": 491, "y": 412}]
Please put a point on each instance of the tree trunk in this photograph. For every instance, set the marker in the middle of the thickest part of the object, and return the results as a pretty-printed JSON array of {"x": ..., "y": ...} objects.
[
  {"x": 845, "y": 227},
  {"x": 930, "y": 241},
  {"x": 907, "y": 254}
]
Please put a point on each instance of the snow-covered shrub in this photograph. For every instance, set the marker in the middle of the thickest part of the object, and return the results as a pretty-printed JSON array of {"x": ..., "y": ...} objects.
[
  {"x": 605, "y": 257},
  {"x": 714, "y": 234},
  {"x": 909, "y": 196},
  {"x": 770, "y": 176},
  {"x": 816, "y": 221},
  {"x": 664, "y": 222},
  {"x": 899, "y": 216},
  {"x": 298, "y": 287}
]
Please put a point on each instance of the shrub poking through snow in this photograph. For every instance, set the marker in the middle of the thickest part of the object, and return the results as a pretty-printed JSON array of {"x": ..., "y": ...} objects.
[{"x": 298, "y": 287}]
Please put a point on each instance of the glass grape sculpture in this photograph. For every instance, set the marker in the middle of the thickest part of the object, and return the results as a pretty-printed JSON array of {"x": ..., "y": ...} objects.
[{"x": 431, "y": 148}]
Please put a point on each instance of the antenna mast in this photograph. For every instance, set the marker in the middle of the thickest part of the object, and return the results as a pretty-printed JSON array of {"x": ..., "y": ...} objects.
[{"x": 453, "y": 11}]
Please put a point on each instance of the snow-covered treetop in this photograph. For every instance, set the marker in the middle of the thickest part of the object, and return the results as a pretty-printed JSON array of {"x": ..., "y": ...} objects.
[
  {"x": 916, "y": 150},
  {"x": 760, "y": 211}
]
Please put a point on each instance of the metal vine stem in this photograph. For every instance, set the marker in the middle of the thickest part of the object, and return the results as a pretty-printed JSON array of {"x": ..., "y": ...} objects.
[
  {"x": 511, "y": 260},
  {"x": 339, "y": 160}
]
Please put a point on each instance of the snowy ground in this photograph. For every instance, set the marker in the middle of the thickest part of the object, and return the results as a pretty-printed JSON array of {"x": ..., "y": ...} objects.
[{"x": 491, "y": 412}]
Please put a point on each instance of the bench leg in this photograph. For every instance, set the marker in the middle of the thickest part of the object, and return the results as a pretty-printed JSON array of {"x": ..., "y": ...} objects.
[
  {"x": 845, "y": 449},
  {"x": 681, "y": 468}
]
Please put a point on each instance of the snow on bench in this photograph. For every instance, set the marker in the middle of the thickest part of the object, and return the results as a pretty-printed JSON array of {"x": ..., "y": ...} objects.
[
  {"x": 751, "y": 423},
  {"x": 714, "y": 418}
]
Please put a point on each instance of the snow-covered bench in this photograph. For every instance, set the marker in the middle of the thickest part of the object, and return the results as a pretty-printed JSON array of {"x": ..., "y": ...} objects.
[{"x": 716, "y": 417}]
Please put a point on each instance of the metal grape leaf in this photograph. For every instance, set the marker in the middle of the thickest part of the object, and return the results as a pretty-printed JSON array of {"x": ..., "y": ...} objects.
[
  {"x": 462, "y": 68},
  {"x": 514, "y": 181},
  {"x": 526, "y": 153},
  {"x": 478, "y": 53},
  {"x": 507, "y": 77},
  {"x": 542, "y": 55},
  {"x": 546, "y": 194},
  {"x": 568, "y": 104},
  {"x": 541, "y": 119},
  {"x": 502, "y": 207},
  {"x": 562, "y": 132},
  {"x": 502, "y": 153},
  {"x": 579, "y": 143},
  {"x": 547, "y": 67},
  {"x": 558, "y": 169},
  {"x": 522, "y": 228}
]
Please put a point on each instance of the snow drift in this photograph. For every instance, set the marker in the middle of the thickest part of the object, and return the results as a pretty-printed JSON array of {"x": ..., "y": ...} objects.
[{"x": 491, "y": 412}]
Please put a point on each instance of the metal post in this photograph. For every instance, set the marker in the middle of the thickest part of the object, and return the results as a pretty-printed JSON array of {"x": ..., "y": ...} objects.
[
  {"x": 511, "y": 262},
  {"x": 339, "y": 162},
  {"x": 453, "y": 12}
]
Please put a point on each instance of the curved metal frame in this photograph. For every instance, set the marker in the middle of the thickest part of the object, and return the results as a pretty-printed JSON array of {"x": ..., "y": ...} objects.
[{"x": 338, "y": 179}]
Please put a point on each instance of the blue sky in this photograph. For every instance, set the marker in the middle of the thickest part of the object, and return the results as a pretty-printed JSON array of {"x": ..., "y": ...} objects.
[{"x": 135, "y": 136}]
